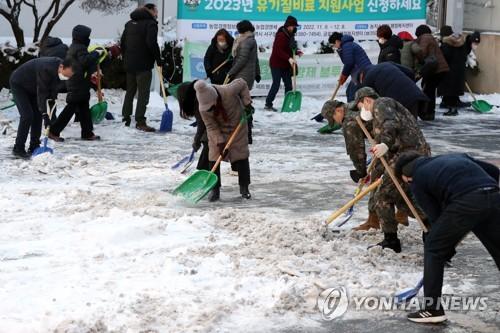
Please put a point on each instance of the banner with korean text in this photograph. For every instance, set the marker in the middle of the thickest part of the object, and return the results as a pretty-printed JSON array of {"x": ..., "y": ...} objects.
[{"x": 198, "y": 20}]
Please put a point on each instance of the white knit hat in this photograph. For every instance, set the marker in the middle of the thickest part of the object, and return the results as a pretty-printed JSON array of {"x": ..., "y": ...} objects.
[{"x": 206, "y": 94}]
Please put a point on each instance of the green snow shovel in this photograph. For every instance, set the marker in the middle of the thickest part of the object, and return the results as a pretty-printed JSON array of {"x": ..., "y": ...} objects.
[
  {"x": 197, "y": 186},
  {"x": 479, "y": 105},
  {"x": 293, "y": 99},
  {"x": 98, "y": 111}
]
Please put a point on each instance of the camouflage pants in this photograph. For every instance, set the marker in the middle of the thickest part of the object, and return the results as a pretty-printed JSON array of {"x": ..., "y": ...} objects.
[{"x": 386, "y": 198}]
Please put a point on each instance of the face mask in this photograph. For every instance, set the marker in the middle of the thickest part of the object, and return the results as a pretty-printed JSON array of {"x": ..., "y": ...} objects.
[
  {"x": 222, "y": 45},
  {"x": 62, "y": 77},
  {"x": 381, "y": 40},
  {"x": 474, "y": 46},
  {"x": 366, "y": 115},
  {"x": 294, "y": 30}
]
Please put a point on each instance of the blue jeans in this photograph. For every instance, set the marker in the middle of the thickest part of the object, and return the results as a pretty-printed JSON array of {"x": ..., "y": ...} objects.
[{"x": 279, "y": 74}]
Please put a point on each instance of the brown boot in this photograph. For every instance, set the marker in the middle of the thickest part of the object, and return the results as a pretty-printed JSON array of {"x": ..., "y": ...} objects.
[
  {"x": 55, "y": 138},
  {"x": 402, "y": 218},
  {"x": 144, "y": 127},
  {"x": 372, "y": 222}
]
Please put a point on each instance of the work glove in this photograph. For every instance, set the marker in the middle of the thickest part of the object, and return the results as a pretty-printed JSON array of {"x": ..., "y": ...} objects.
[
  {"x": 257, "y": 78},
  {"x": 222, "y": 150},
  {"x": 356, "y": 176},
  {"x": 196, "y": 145},
  {"x": 249, "y": 110},
  {"x": 380, "y": 150},
  {"x": 292, "y": 62},
  {"x": 342, "y": 79},
  {"x": 46, "y": 120}
]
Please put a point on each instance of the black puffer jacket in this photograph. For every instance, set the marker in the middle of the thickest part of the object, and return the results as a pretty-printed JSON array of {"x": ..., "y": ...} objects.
[
  {"x": 216, "y": 56},
  {"x": 139, "y": 42},
  {"x": 84, "y": 65},
  {"x": 391, "y": 50},
  {"x": 53, "y": 47}
]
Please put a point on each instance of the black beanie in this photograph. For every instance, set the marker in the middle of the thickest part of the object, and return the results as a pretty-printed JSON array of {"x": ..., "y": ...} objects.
[
  {"x": 291, "y": 22},
  {"x": 244, "y": 26},
  {"x": 334, "y": 37},
  {"x": 446, "y": 31}
]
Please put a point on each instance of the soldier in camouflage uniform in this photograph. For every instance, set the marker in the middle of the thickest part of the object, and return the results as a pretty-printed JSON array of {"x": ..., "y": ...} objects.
[
  {"x": 396, "y": 131},
  {"x": 345, "y": 115}
]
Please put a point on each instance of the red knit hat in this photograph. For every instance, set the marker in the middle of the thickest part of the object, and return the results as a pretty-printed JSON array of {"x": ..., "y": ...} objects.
[{"x": 405, "y": 35}]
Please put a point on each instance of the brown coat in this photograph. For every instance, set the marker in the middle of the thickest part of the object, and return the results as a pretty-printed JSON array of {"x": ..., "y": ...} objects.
[
  {"x": 234, "y": 96},
  {"x": 429, "y": 46}
]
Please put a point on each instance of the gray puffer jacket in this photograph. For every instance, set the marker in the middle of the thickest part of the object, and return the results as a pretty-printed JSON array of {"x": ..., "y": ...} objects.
[{"x": 245, "y": 59}]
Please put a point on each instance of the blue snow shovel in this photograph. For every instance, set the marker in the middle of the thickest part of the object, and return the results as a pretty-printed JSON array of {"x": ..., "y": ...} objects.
[
  {"x": 184, "y": 161},
  {"x": 45, "y": 149},
  {"x": 167, "y": 116},
  {"x": 407, "y": 295}
]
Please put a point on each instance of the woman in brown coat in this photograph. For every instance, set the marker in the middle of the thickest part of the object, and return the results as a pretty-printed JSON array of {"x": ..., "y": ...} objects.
[
  {"x": 221, "y": 108},
  {"x": 434, "y": 67}
]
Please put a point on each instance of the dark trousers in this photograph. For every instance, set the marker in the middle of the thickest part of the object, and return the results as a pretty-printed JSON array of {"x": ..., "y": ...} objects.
[
  {"x": 279, "y": 74},
  {"x": 418, "y": 108},
  {"x": 430, "y": 85},
  {"x": 243, "y": 168},
  {"x": 203, "y": 163},
  {"x": 78, "y": 108},
  {"x": 351, "y": 89},
  {"x": 451, "y": 101},
  {"x": 140, "y": 83},
  {"x": 478, "y": 212},
  {"x": 30, "y": 117}
]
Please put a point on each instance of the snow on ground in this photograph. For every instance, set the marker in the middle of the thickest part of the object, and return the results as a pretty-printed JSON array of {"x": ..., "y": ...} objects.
[{"x": 92, "y": 240}]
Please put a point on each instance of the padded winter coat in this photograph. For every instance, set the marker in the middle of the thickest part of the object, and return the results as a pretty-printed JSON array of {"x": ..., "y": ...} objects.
[
  {"x": 429, "y": 46},
  {"x": 283, "y": 46},
  {"x": 139, "y": 42},
  {"x": 84, "y": 65},
  {"x": 455, "y": 50},
  {"x": 39, "y": 77},
  {"x": 245, "y": 59},
  {"x": 395, "y": 81},
  {"x": 353, "y": 56},
  {"x": 390, "y": 50},
  {"x": 216, "y": 56},
  {"x": 233, "y": 96}
]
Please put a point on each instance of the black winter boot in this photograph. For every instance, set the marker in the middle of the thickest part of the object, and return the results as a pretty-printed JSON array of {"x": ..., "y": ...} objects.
[
  {"x": 391, "y": 241},
  {"x": 245, "y": 193},
  {"x": 451, "y": 112},
  {"x": 20, "y": 153},
  {"x": 214, "y": 194}
]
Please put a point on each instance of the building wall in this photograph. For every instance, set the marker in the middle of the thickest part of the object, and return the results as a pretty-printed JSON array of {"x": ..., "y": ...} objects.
[{"x": 482, "y": 15}]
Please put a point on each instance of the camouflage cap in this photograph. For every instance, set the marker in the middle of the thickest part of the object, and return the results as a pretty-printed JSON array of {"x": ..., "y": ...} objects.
[
  {"x": 329, "y": 109},
  {"x": 365, "y": 92}
]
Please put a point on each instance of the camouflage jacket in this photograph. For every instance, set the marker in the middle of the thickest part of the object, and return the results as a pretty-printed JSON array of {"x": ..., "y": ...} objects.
[
  {"x": 355, "y": 140},
  {"x": 394, "y": 125}
]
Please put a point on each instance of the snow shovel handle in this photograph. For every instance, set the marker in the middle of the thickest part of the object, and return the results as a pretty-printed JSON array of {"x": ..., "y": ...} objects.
[
  {"x": 393, "y": 176},
  {"x": 220, "y": 66},
  {"x": 228, "y": 144},
  {"x": 294, "y": 70},
  {"x": 162, "y": 85},
  {"x": 335, "y": 91},
  {"x": 470, "y": 91},
  {"x": 353, "y": 201},
  {"x": 99, "y": 88}
]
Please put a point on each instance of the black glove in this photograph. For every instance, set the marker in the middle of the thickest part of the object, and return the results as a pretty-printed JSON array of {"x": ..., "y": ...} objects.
[
  {"x": 46, "y": 120},
  {"x": 196, "y": 145},
  {"x": 356, "y": 176},
  {"x": 222, "y": 150},
  {"x": 249, "y": 110},
  {"x": 257, "y": 78}
]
